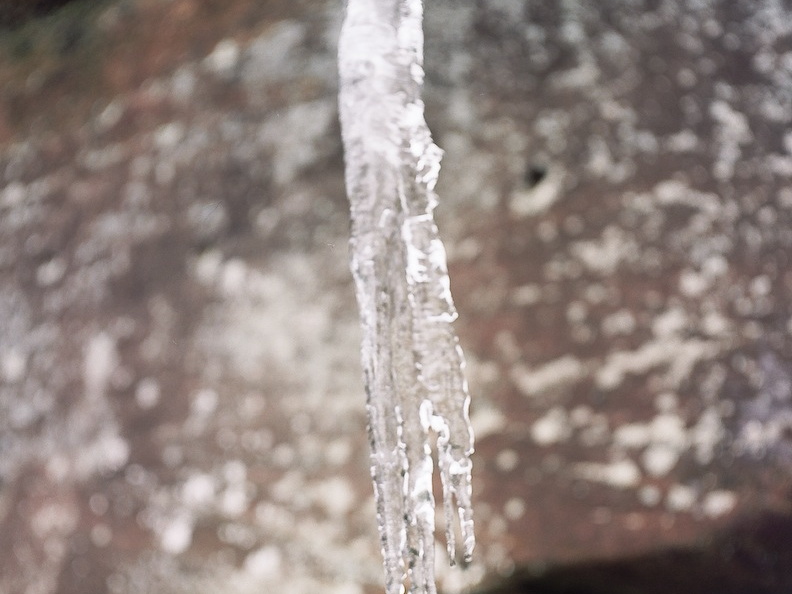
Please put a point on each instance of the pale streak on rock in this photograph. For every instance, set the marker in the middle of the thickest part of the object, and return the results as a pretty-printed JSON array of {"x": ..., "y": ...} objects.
[{"x": 551, "y": 375}]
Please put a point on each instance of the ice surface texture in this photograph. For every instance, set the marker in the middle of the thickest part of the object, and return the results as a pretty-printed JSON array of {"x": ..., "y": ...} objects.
[{"x": 412, "y": 363}]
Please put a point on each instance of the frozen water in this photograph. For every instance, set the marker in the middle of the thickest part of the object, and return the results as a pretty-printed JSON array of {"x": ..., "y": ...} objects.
[{"x": 412, "y": 363}]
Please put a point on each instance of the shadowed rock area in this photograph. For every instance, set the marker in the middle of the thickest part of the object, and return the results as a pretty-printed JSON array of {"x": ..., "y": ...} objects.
[
  {"x": 181, "y": 408},
  {"x": 14, "y": 13},
  {"x": 752, "y": 556}
]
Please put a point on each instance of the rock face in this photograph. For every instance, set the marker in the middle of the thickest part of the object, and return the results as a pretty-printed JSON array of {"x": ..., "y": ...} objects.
[{"x": 180, "y": 400}]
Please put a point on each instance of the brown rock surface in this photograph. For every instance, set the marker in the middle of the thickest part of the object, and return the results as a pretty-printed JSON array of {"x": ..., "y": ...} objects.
[{"x": 180, "y": 400}]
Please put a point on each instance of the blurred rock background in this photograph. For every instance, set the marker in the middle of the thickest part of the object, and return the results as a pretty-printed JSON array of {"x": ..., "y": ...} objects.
[{"x": 181, "y": 408}]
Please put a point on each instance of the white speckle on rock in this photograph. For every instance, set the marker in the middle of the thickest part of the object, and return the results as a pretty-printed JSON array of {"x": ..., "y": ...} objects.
[
  {"x": 176, "y": 535},
  {"x": 224, "y": 57},
  {"x": 465, "y": 250},
  {"x": 268, "y": 58},
  {"x": 673, "y": 192},
  {"x": 288, "y": 487},
  {"x": 667, "y": 402},
  {"x": 198, "y": 491},
  {"x": 680, "y": 498},
  {"x": 733, "y": 131},
  {"x": 101, "y": 359},
  {"x": 659, "y": 459},
  {"x": 669, "y": 428},
  {"x": 101, "y": 535},
  {"x": 714, "y": 324},
  {"x": 679, "y": 355},
  {"x": 507, "y": 460},
  {"x": 761, "y": 285},
  {"x": 13, "y": 195},
  {"x": 237, "y": 534},
  {"x": 576, "y": 312},
  {"x": 335, "y": 496},
  {"x": 183, "y": 82},
  {"x": 207, "y": 219},
  {"x": 632, "y": 435},
  {"x": 670, "y": 322},
  {"x": 715, "y": 266},
  {"x": 514, "y": 508},
  {"x": 110, "y": 115},
  {"x": 718, "y": 503},
  {"x": 13, "y": 365},
  {"x": 707, "y": 434},
  {"x": 52, "y": 519},
  {"x": 596, "y": 432},
  {"x": 497, "y": 526},
  {"x": 649, "y": 495},
  {"x": 265, "y": 563},
  {"x": 234, "y": 277},
  {"x": 107, "y": 453},
  {"x": 204, "y": 403},
  {"x": 207, "y": 266},
  {"x": 507, "y": 346},
  {"x": 102, "y": 158},
  {"x": 50, "y": 272},
  {"x": 686, "y": 78},
  {"x": 600, "y": 162},
  {"x": 235, "y": 471},
  {"x": 620, "y": 322},
  {"x": 338, "y": 451},
  {"x": 298, "y": 137},
  {"x": 234, "y": 500},
  {"x": 604, "y": 256},
  {"x": 692, "y": 284},
  {"x": 551, "y": 428},
  {"x": 147, "y": 393},
  {"x": 553, "y": 374},
  {"x": 487, "y": 420},
  {"x": 583, "y": 75},
  {"x": 526, "y": 295},
  {"x": 547, "y": 230},
  {"x": 283, "y": 455},
  {"x": 621, "y": 474},
  {"x": 580, "y": 416},
  {"x": 168, "y": 135},
  {"x": 682, "y": 142}
]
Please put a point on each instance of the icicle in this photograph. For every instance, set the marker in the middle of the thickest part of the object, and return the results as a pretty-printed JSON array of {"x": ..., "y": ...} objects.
[{"x": 412, "y": 363}]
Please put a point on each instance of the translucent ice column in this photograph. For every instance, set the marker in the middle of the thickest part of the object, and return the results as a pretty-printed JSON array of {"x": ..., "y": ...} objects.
[{"x": 412, "y": 363}]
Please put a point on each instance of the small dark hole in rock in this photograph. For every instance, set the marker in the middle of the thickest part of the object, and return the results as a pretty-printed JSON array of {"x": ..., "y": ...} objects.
[
  {"x": 534, "y": 175},
  {"x": 750, "y": 557}
]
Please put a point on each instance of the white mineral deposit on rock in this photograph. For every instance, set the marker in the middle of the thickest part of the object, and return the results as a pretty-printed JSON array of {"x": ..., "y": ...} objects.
[{"x": 412, "y": 362}]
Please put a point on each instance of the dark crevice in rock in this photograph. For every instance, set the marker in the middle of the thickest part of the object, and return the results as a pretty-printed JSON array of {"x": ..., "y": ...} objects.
[{"x": 755, "y": 557}]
